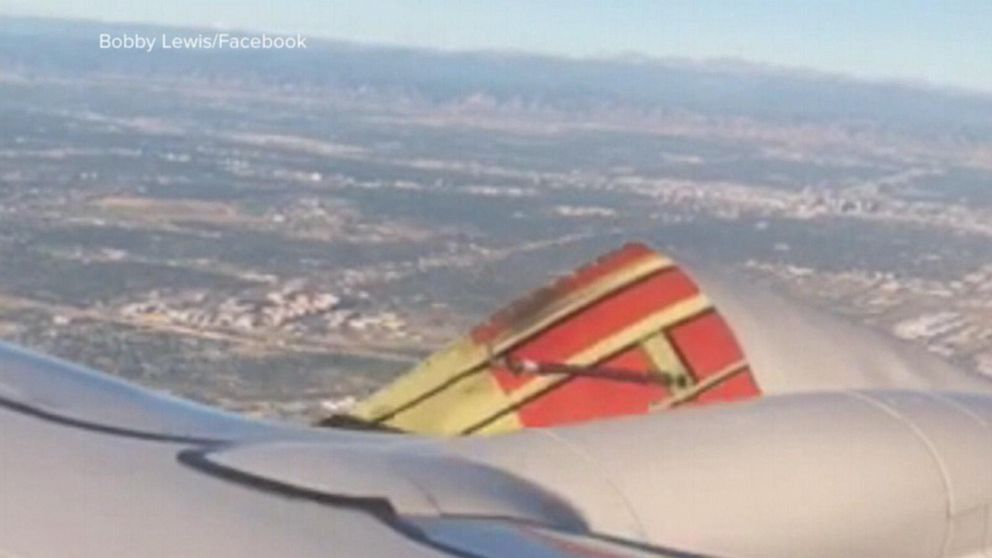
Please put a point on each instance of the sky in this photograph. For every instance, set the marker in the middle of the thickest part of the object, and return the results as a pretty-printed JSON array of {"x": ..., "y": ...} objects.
[{"x": 944, "y": 43}]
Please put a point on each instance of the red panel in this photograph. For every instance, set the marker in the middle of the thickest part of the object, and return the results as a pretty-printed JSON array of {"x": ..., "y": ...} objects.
[
  {"x": 585, "y": 399},
  {"x": 739, "y": 386},
  {"x": 612, "y": 262},
  {"x": 599, "y": 321},
  {"x": 706, "y": 344},
  {"x": 525, "y": 308}
]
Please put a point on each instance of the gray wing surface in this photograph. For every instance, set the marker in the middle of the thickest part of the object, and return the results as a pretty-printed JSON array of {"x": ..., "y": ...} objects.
[
  {"x": 88, "y": 467},
  {"x": 793, "y": 347},
  {"x": 91, "y": 466}
]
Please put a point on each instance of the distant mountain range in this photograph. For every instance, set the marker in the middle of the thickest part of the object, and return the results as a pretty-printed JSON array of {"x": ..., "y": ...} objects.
[{"x": 721, "y": 88}]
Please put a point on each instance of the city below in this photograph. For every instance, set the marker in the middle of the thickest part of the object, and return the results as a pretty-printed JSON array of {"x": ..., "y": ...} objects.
[{"x": 282, "y": 246}]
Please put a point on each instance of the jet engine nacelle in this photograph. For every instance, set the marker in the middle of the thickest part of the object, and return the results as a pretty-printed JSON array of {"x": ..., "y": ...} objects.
[{"x": 854, "y": 474}]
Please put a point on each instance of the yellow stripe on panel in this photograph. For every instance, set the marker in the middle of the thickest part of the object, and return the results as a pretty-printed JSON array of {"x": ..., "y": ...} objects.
[
  {"x": 659, "y": 349},
  {"x": 446, "y": 368},
  {"x": 703, "y": 386},
  {"x": 430, "y": 375},
  {"x": 447, "y": 412},
  {"x": 574, "y": 302},
  {"x": 605, "y": 348}
]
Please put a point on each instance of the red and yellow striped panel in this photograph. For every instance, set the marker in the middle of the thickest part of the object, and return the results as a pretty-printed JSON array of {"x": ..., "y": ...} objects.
[
  {"x": 631, "y": 310},
  {"x": 583, "y": 399},
  {"x": 601, "y": 320}
]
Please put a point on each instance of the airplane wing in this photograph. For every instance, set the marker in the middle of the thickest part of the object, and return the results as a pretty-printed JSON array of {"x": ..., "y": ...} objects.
[
  {"x": 854, "y": 474},
  {"x": 92, "y": 466}
]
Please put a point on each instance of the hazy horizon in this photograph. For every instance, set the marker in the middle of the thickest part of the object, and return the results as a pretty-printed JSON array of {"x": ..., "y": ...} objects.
[{"x": 929, "y": 45}]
